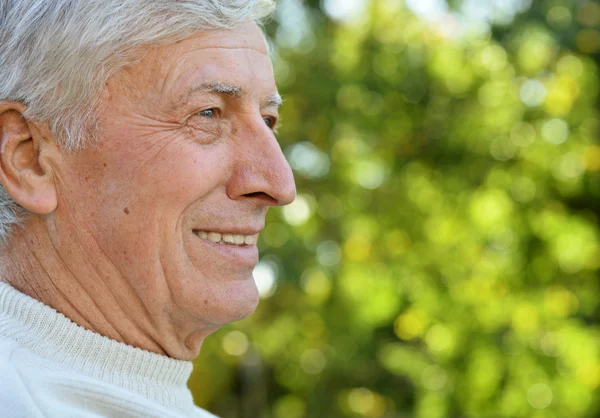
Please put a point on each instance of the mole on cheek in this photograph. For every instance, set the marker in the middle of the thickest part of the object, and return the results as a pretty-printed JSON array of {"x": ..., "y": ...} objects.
[{"x": 126, "y": 210}]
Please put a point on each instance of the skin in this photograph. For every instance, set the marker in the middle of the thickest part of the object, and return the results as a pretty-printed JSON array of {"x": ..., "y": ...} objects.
[{"x": 110, "y": 240}]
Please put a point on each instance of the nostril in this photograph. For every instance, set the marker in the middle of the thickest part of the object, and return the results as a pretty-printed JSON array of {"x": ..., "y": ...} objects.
[{"x": 262, "y": 196}]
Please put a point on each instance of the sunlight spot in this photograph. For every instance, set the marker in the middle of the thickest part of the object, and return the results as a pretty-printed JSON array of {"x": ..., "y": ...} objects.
[
  {"x": 265, "y": 277},
  {"x": 555, "y": 131},
  {"x": 235, "y": 343},
  {"x": 539, "y": 396},
  {"x": 532, "y": 93},
  {"x": 298, "y": 212},
  {"x": 343, "y": 10}
]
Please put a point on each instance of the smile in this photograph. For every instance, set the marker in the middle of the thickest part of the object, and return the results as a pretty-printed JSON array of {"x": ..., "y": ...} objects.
[{"x": 227, "y": 239}]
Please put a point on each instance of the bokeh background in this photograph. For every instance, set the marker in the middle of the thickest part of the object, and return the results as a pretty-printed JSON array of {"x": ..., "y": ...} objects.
[{"x": 442, "y": 256}]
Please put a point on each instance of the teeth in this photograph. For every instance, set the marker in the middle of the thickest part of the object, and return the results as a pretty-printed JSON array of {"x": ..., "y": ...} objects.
[
  {"x": 214, "y": 236},
  {"x": 234, "y": 239}
]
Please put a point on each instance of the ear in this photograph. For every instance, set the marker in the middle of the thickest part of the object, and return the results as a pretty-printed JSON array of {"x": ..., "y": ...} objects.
[{"x": 26, "y": 171}]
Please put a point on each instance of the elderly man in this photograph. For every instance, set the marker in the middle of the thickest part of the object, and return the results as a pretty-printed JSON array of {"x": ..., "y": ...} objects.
[{"x": 138, "y": 161}]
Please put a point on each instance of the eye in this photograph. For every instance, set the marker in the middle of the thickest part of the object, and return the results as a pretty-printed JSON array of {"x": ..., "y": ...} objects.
[
  {"x": 270, "y": 121},
  {"x": 208, "y": 113}
]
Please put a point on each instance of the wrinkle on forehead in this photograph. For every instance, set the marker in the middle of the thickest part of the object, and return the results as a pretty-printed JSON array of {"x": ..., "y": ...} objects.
[
  {"x": 246, "y": 36},
  {"x": 261, "y": 50},
  {"x": 166, "y": 66}
]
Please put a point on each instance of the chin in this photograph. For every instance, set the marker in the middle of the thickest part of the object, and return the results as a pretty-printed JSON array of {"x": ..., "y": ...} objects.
[
  {"x": 228, "y": 301},
  {"x": 244, "y": 302}
]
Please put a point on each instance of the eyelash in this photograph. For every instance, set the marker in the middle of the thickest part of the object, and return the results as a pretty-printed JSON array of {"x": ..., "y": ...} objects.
[{"x": 270, "y": 121}]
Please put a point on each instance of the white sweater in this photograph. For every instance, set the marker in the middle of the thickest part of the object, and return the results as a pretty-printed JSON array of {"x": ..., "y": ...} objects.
[{"x": 52, "y": 367}]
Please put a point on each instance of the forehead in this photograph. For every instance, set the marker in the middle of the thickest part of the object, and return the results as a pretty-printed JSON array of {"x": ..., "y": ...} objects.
[{"x": 237, "y": 56}]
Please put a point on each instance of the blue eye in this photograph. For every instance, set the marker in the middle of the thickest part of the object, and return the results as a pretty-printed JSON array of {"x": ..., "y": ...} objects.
[
  {"x": 270, "y": 121},
  {"x": 209, "y": 113}
]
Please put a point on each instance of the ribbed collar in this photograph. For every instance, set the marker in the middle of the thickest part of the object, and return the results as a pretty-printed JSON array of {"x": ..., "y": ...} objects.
[{"x": 56, "y": 338}]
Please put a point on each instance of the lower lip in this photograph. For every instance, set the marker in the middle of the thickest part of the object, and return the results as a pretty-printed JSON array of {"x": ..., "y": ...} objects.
[{"x": 242, "y": 255}]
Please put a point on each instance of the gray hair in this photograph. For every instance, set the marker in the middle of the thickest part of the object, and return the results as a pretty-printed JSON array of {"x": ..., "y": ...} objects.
[{"x": 57, "y": 55}]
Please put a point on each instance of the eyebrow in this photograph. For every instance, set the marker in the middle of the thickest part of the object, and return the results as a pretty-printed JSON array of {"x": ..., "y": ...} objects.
[
  {"x": 214, "y": 87},
  {"x": 274, "y": 100},
  {"x": 230, "y": 90}
]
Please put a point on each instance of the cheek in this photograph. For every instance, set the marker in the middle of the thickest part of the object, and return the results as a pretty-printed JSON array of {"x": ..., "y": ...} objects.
[
  {"x": 140, "y": 193},
  {"x": 179, "y": 179},
  {"x": 171, "y": 178}
]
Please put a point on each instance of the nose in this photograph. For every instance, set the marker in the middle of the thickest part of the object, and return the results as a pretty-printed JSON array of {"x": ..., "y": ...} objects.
[{"x": 261, "y": 172}]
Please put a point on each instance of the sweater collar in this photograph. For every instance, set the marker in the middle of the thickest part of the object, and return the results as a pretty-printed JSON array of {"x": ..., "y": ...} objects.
[{"x": 55, "y": 337}]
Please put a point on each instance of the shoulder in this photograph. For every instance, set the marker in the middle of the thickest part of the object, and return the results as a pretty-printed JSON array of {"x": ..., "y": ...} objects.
[
  {"x": 16, "y": 359},
  {"x": 15, "y": 395},
  {"x": 8, "y": 360},
  {"x": 7, "y": 345}
]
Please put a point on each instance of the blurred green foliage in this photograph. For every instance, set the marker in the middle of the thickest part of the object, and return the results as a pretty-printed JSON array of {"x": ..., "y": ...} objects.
[{"x": 442, "y": 256}]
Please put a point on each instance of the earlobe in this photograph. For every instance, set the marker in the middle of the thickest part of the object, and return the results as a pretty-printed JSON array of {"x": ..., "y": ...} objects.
[{"x": 24, "y": 173}]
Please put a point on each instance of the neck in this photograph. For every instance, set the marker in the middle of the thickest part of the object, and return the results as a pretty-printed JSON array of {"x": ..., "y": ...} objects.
[{"x": 82, "y": 285}]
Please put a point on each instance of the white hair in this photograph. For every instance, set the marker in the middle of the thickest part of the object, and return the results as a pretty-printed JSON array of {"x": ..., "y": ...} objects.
[{"x": 57, "y": 55}]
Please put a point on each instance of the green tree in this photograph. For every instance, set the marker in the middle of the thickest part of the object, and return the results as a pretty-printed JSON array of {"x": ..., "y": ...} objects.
[{"x": 441, "y": 259}]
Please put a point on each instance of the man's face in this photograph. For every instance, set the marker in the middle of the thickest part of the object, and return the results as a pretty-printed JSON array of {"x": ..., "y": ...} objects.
[{"x": 186, "y": 156}]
